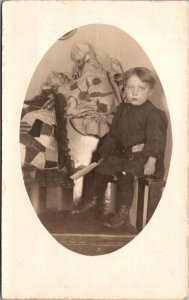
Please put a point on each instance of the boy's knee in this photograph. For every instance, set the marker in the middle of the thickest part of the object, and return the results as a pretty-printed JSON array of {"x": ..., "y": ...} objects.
[{"x": 122, "y": 178}]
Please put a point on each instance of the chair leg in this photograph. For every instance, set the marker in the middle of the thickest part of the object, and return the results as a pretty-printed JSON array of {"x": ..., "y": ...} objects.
[
  {"x": 111, "y": 198},
  {"x": 140, "y": 205},
  {"x": 43, "y": 199},
  {"x": 155, "y": 193},
  {"x": 133, "y": 210},
  {"x": 35, "y": 196},
  {"x": 149, "y": 194}
]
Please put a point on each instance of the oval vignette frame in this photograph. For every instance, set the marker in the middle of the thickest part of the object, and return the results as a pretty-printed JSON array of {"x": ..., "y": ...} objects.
[{"x": 51, "y": 191}]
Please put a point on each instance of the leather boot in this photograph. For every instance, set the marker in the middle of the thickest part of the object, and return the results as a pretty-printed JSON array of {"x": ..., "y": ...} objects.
[
  {"x": 96, "y": 202},
  {"x": 121, "y": 220},
  {"x": 88, "y": 207}
]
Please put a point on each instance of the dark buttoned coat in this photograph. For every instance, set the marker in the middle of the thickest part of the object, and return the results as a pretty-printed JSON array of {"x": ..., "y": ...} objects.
[{"x": 133, "y": 125}]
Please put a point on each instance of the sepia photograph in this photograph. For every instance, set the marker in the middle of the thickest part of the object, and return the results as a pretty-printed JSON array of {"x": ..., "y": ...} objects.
[
  {"x": 95, "y": 139},
  {"x": 95, "y": 159}
]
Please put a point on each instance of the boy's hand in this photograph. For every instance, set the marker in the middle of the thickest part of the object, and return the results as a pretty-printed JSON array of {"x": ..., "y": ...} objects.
[{"x": 149, "y": 167}]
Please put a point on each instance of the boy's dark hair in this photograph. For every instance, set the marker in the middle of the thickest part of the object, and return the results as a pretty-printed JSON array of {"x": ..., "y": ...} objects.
[{"x": 144, "y": 74}]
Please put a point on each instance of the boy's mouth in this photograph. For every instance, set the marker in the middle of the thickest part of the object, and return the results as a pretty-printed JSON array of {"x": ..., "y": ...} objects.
[{"x": 133, "y": 100}]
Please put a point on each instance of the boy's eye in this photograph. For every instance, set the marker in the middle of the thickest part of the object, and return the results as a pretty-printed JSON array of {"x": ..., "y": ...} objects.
[
  {"x": 132, "y": 88},
  {"x": 141, "y": 89}
]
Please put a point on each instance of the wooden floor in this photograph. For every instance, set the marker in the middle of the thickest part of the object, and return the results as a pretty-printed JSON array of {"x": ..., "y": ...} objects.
[{"x": 84, "y": 234}]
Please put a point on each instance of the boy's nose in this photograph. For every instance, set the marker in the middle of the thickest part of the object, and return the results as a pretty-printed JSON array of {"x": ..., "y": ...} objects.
[{"x": 135, "y": 92}]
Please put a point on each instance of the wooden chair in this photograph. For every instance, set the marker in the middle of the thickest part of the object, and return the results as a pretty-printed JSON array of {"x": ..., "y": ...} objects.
[{"x": 147, "y": 194}]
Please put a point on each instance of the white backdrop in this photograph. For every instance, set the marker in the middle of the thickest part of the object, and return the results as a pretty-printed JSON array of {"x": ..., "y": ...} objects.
[{"x": 154, "y": 264}]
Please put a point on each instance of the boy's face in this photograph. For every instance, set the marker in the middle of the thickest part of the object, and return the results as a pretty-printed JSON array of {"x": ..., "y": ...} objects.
[{"x": 137, "y": 92}]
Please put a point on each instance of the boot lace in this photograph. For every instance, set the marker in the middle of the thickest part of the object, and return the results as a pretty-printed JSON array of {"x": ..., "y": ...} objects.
[{"x": 122, "y": 217}]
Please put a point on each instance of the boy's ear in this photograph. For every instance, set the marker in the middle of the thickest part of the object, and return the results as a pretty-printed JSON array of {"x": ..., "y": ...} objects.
[{"x": 151, "y": 91}]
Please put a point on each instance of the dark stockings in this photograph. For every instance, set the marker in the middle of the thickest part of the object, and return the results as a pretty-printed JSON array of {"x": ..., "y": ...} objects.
[{"x": 125, "y": 188}]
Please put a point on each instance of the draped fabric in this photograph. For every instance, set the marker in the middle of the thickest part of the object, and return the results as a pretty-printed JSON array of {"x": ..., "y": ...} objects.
[
  {"x": 91, "y": 102},
  {"x": 71, "y": 113},
  {"x": 39, "y": 146},
  {"x": 91, "y": 94}
]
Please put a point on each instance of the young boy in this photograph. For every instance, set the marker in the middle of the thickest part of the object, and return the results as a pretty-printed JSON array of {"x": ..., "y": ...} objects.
[{"x": 134, "y": 146}]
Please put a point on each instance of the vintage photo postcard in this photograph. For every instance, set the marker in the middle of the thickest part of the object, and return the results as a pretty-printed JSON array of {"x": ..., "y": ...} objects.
[{"x": 95, "y": 150}]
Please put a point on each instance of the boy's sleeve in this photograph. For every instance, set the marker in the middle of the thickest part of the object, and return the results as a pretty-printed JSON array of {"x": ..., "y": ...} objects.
[
  {"x": 156, "y": 133},
  {"x": 111, "y": 142}
]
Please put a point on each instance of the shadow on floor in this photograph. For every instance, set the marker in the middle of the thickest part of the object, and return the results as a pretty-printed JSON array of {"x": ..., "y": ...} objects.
[{"x": 84, "y": 234}]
